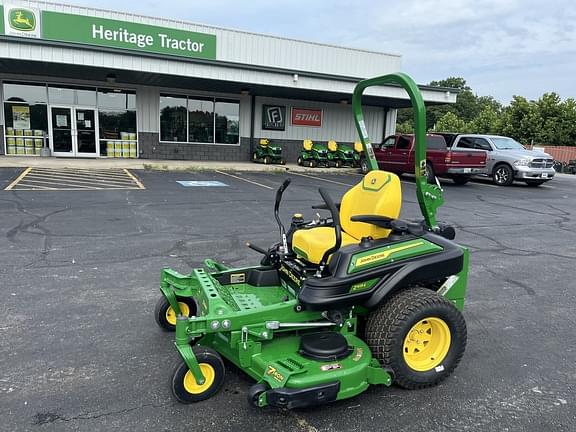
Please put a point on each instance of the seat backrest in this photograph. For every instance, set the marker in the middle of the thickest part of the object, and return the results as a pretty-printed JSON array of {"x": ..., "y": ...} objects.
[
  {"x": 332, "y": 146},
  {"x": 358, "y": 147},
  {"x": 308, "y": 145},
  {"x": 379, "y": 193},
  {"x": 264, "y": 142}
]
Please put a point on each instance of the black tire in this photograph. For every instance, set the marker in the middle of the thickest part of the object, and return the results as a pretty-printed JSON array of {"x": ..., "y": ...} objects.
[
  {"x": 266, "y": 160},
  {"x": 299, "y": 161},
  {"x": 162, "y": 313},
  {"x": 502, "y": 175},
  {"x": 282, "y": 162},
  {"x": 460, "y": 179},
  {"x": 388, "y": 329},
  {"x": 430, "y": 175},
  {"x": 213, "y": 369},
  {"x": 312, "y": 163},
  {"x": 338, "y": 163},
  {"x": 254, "y": 393},
  {"x": 363, "y": 166},
  {"x": 534, "y": 183},
  {"x": 254, "y": 156}
]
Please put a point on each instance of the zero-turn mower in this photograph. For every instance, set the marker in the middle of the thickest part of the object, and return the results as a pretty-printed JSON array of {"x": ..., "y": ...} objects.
[{"x": 339, "y": 303}]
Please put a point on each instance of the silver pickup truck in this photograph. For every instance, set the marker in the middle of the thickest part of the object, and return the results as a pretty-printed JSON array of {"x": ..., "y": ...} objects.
[{"x": 507, "y": 159}]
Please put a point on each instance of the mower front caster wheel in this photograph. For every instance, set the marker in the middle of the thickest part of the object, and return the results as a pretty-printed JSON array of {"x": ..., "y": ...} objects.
[
  {"x": 254, "y": 394},
  {"x": 166, "y": 316},
  {"x": 185, "y": 387},
  {"x": 419, "y": 335}
]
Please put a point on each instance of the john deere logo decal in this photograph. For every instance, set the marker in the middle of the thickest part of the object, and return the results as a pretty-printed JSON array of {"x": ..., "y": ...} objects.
[{"x": 22, "y": 19}]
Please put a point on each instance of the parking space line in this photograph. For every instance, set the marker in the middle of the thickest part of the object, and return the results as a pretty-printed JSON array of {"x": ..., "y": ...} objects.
[
  {"x": 243, "y": 179},
  {"x": 320, "y": 178},
  {"x": 69, "y": 178},
  {"x": 17, "y": 180},
  {"x": 133, "y": 177}
]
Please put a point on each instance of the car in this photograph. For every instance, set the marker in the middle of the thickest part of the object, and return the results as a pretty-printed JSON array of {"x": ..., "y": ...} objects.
[{"x": 507, "y": 159}]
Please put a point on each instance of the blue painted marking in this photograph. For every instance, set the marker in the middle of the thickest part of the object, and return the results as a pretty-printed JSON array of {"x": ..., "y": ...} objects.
[{"x": 196, "y": 183}]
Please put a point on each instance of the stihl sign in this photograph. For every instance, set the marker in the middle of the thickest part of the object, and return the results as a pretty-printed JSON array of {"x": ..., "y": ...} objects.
[{"x": 306, "y": 117}]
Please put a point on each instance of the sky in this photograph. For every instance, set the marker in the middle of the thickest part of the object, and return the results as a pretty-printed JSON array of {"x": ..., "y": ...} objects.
[{"x": 501, "y": 47}]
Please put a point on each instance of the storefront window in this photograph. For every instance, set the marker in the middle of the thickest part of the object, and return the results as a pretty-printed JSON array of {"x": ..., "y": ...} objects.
[
  {"x": 61, "y": 96},
  {"x": 173, "y": 118},
  {"x": 201, "y": 120},
  {"x": 117, "y": 122},
  {"x": 208, "y": 121},
  {"x": 227, "y": 122},
  {"x": 26, "y": 118},
  {"x": 30, "y": 93}
]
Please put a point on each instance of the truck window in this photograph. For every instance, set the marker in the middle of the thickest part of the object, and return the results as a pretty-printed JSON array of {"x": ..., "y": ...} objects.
[
  {"x": 465, "y": 142},
  {"x": 389, "y": 142},
  {"x": 481, "y": 144},
  {"x": 435, "y": 142},
  {"x": 403, "y": 143}
]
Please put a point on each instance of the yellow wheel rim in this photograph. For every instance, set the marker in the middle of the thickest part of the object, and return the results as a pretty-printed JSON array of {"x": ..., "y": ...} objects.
[
  {"x": 171, "y": 315},
  {"x": 190, "y": 384},
  {"x": 426, "y": 344}
]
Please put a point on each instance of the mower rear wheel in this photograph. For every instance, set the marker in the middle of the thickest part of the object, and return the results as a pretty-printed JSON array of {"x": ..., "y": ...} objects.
[
  {"x": 166, "y": 316},
  {"x": 185, "y": 387},
  {"x": 300, "y": 160},
  {"x": 266, "y": 160},
  {"x": 312, "y": 163},
  {"x": 254, "y": 156},
  {"x": 419, "y": 335}
]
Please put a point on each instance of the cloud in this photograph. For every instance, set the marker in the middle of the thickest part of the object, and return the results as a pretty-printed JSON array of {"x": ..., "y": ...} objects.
[{"x": 488, "y": 42}]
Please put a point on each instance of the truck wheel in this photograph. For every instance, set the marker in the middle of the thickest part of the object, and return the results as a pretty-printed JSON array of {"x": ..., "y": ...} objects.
[
  {"x": 460, "y": 180},
  {"x": 430, "y": 175},
  {"x": 184, "y": 386},
  {"x": 419, "y": 335},
  {"x": 364, "y": 166},
  {"x": 503, "y": 175},
  {"x": 166, "y": 317}
]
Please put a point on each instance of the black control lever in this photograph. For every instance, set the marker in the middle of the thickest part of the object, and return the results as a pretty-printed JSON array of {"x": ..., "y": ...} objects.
[
  {"x": 337, "y": 227},
  {"x": 256, "y": 248},
  {"x": 279, "y": 193}
]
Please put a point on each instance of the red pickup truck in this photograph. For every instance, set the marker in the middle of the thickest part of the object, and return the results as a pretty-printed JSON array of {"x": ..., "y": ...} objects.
[{"x": 396, "y": 154}]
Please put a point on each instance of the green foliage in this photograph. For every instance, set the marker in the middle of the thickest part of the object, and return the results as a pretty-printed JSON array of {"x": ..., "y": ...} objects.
[{"x": 548, "y": 120}]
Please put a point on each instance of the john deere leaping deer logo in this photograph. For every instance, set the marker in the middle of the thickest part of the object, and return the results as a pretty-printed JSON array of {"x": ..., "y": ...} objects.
[{"x": 22, "y": 19}]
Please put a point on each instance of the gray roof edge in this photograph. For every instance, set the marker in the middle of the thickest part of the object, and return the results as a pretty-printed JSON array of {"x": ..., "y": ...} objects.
[{"x": 49, "y": 3}]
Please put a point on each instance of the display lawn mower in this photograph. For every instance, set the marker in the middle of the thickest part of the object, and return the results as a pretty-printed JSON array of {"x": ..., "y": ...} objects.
[
  {"x": 342, "y": 155},
  {"x": 267, "y": 153},
  {"x": 339, "y": 303},
  {"x": 314, "y": 155}
]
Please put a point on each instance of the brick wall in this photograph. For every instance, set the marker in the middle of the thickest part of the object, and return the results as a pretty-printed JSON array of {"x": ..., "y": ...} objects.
[{"x": 151, "y": 148}]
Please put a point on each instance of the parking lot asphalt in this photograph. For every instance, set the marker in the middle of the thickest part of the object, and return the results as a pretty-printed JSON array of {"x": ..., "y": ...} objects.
[{"x": 80, "y": 351}]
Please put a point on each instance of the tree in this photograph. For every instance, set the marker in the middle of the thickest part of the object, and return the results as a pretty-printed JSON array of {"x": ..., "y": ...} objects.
[{"x": 450, "y": 122}]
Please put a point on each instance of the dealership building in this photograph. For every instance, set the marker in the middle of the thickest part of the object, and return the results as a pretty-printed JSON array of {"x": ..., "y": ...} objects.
[{"x": 94, "y": 83}]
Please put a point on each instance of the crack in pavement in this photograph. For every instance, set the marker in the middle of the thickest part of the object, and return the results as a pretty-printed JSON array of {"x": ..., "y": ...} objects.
[{"x": 51, "y": 417}]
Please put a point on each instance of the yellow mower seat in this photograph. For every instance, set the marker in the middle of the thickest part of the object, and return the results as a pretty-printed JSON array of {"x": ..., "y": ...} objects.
[
  {"x": 332, "y": 145},
  {"x": 379, "y": 193}
]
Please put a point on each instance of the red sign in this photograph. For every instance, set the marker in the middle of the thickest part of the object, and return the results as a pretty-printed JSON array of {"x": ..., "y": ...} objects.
[{"x": 306, "y": 117}]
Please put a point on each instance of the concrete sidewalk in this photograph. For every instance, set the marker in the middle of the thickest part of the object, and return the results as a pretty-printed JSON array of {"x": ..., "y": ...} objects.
[{"x": 160, "y": 165}]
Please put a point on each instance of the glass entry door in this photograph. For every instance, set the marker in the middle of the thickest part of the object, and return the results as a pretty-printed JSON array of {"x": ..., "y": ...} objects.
[{"x": 74, "y": 131}]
